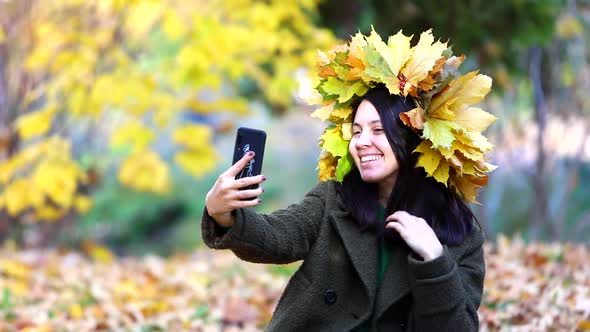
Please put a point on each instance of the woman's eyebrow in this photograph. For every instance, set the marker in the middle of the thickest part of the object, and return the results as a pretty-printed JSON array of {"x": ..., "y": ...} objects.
[{"x": 371, "y": 122}]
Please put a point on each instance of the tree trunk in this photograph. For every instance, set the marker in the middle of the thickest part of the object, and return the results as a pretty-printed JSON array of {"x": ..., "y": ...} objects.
[
  {"x": 4, "y": 105},
  {"x": 539, "y": 213}
]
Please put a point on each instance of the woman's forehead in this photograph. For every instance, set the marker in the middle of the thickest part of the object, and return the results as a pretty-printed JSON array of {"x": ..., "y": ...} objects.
[{"x": 366, "y": 113}]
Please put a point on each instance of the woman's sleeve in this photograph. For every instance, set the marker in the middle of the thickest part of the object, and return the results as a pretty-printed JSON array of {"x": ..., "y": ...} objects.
[
  {"x": 283, "y": 236},
  {"x": 447, "y": 292}
]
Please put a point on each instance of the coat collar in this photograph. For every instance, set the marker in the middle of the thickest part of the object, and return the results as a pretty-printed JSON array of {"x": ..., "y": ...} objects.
[
  {"x": 362, "y": 248},
  {"x": 396, "y": 282}
]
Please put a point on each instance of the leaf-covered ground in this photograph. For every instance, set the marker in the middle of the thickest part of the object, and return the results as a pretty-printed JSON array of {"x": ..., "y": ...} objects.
[{"x": 534, "y": 287}]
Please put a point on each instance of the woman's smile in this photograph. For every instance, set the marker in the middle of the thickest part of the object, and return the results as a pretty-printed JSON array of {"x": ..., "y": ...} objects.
[{"x": 367, "y": 159}]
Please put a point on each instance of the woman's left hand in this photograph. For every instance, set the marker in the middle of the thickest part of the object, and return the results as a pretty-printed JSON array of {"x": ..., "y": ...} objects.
[{"x": 417, "y": 234}]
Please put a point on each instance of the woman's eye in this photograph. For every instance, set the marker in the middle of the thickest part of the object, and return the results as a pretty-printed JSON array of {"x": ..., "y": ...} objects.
[
  {"x": 356, "y": 132},
  {"x": 378, "y": 130}
]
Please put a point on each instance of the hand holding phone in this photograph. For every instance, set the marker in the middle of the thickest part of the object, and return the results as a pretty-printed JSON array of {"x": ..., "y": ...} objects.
[{"x": 235, "y": 188}]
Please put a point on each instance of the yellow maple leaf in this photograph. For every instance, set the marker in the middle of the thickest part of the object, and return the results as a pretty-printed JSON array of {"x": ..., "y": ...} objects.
[
  {"x": 474, "y": 119},
  {"x": 439, "y": 132},
  {"x": 474, "y": 139},
  {"x": 400, "y": 44},
  {"x": 342, "y": 113},
  {"x": 356, "y": 56},
  {"x": 326, "y": 166},
  {"x": 466, "y": 186},
  {"x": 323, "y": 113},
  {"x": 424, "y": 57},
  {"x": 347, "y": 131},
  {"x": 441, "y": 174},
  {"x": 395, "y": 53},
  {"x": 465, "y": 90},
  {"x": 413, "y": 118},
  {"x": 429, "y": 158},
  {"x": 467, "y": 151}
]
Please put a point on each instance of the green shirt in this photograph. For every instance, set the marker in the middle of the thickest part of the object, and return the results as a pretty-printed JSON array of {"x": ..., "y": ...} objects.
[{"x": 383, "y": 258}]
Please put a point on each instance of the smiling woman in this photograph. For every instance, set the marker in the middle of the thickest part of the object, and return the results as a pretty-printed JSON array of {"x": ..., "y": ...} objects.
[{"x": 387, "y": 239}]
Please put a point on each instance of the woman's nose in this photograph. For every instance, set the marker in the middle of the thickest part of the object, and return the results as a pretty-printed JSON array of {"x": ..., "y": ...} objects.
[{"x": 364, "y": 139}]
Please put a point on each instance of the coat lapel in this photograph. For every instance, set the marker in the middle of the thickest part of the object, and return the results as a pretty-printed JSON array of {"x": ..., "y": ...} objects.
[
  {"x": 396, "y": 282},
  {"x": 361, "y": 247}
]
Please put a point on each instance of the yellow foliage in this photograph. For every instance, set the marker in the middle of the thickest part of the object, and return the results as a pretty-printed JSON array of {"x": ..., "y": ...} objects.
[
  {"x": 82, "y": 203},
  {"x": 57, "y": 180},
  {"x": 145, "y": 171},
  {"x": 49, "y": 213},
  {"x": 35, "y": 123},
  {"x": 108, "y": 57},
  {"x": 15, "y": 269},
  {"x": 16, "y": 196},
  {"x": 173, "y": 25},
  {"x": 193, "y": 136},
  {"x": 568, "y": 26},
  {"x": 97, "y": 252},
  {"x": 142, "y": 17},
  {"x": 199, "y": 162},
  {"x": 134, "y": 135}
]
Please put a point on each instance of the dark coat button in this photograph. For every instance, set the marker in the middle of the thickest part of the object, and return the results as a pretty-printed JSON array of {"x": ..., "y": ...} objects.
[{"x": 330, "y": 297}]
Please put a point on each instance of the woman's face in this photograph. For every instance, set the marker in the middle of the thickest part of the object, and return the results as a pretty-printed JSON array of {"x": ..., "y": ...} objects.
[{"x": 370, "y": 148}]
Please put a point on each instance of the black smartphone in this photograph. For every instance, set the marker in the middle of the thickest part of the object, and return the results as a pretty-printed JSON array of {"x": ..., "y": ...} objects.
[{"x": 248, "y": 139}]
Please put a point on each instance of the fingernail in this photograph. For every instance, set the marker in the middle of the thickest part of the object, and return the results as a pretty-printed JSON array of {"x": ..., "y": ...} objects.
[
  {"x": 263, "y": 178},
  {"x": 251, "y": 153},
  {"x": 262, "y": 189},
  {"x": 260, "y": 200}
]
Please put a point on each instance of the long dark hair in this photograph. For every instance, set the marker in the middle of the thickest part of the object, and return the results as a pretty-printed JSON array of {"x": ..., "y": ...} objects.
[{"x": 413, "y": 191}]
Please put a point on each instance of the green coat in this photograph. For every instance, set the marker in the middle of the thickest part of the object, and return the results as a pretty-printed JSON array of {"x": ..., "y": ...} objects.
[{"x": 335, "y": 287}]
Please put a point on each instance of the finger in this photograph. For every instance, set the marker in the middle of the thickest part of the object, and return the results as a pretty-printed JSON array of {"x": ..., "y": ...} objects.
[
  {"x": 240, "y": 164},
  {"x": 247, "y": 181},
  {"x": 399, "y": 228},
  {"x": 247, "y": 204},
  {"x": 399, "y": 216},
  {"x": 250, "y": 193}
]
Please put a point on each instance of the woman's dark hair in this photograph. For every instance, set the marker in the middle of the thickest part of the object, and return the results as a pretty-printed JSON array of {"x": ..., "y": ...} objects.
[{"x": 413, "y": 191}]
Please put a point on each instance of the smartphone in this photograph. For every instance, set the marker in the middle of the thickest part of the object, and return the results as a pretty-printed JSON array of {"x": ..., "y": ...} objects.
[{"x": 248, "y": 139}]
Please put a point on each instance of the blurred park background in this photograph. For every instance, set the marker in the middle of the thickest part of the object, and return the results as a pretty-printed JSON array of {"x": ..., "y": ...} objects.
[{"x": 116, "y": 117}]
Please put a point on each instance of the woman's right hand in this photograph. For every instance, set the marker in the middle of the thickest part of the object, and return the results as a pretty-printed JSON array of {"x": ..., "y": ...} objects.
[{"x": 226, "y": 196}]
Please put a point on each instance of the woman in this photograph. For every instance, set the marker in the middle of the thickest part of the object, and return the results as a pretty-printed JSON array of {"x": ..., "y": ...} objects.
[{"x": 388, "y": 248}]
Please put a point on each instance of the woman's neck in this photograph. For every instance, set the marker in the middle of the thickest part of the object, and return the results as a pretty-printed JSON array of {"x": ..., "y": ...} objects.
[{"x": 385, "y": 189}]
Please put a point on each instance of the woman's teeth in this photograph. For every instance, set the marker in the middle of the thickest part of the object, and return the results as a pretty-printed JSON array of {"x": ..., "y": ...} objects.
[{"x": 371, "y": 158}]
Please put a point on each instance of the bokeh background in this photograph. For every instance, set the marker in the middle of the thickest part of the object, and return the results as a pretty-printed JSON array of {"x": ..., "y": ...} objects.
[{"x": 116, "y": 116}]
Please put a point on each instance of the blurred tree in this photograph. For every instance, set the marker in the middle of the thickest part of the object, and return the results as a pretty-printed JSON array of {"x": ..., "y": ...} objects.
[
  {"x": 496, "y": 33},
  {"x": 124, "y": 71}
]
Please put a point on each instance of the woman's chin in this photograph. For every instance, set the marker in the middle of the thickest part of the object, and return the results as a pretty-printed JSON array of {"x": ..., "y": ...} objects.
[{"x": 371, "y": 178}]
